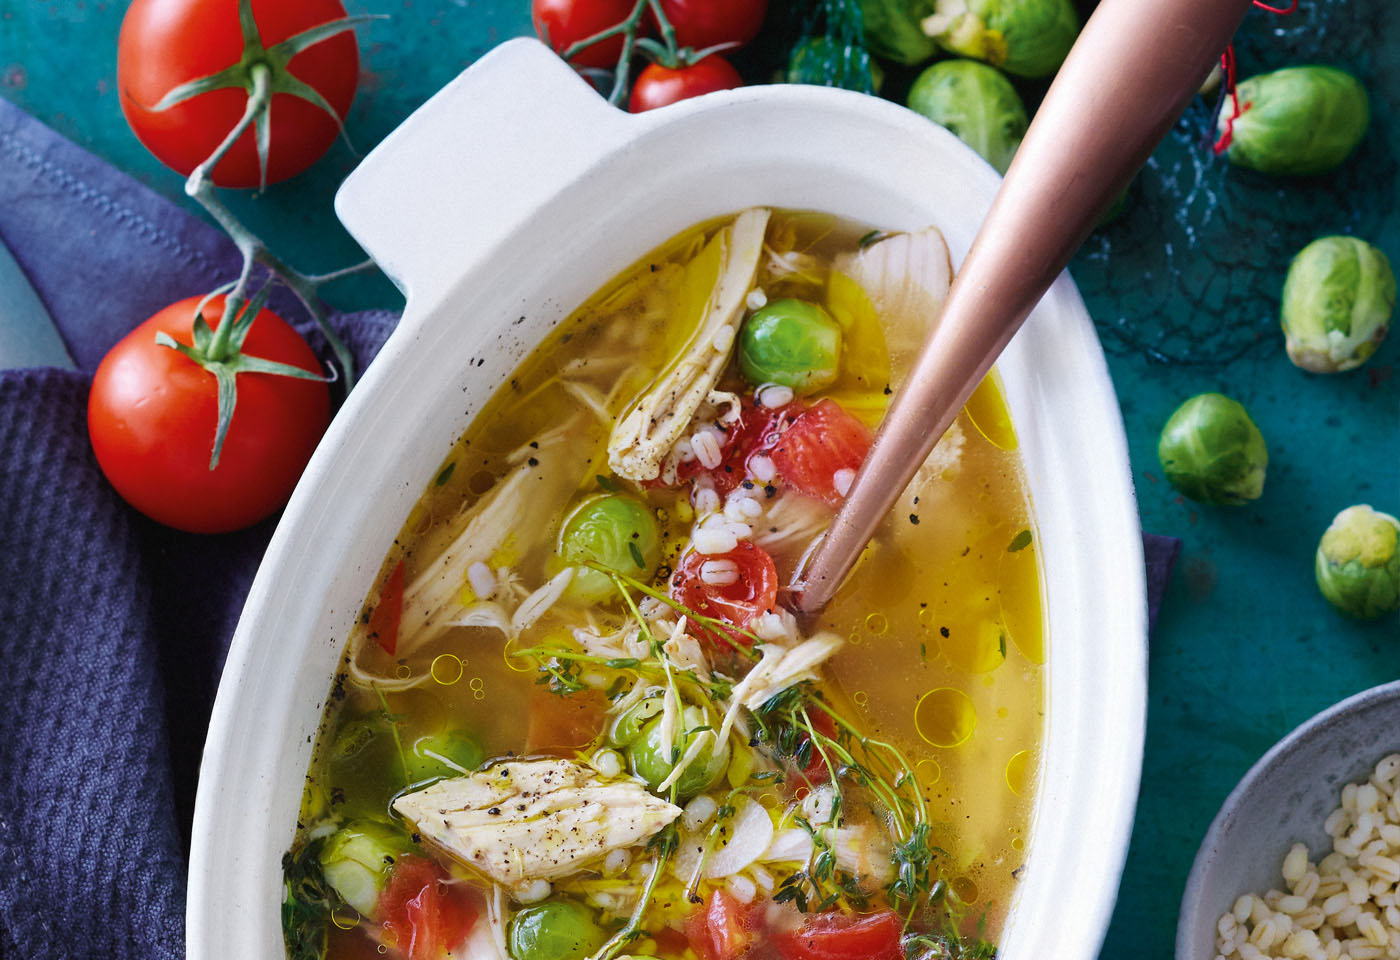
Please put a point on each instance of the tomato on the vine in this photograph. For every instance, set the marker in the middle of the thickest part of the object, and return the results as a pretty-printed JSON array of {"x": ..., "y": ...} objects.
[
  {"x": 167, "y": 43},
  {"x": 153, "y": 415},
  {"x": 659, "y": 86},
  {"x": 708, "y": 23},
  {"x": 562, "y": 23}
]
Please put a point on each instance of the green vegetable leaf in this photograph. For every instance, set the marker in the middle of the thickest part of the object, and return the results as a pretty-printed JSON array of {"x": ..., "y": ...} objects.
[{"x": 1020, "y": 542}]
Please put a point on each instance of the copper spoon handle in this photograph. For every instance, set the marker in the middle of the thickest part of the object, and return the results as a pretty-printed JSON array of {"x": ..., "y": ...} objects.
[{"x": 1132, "y": 72}]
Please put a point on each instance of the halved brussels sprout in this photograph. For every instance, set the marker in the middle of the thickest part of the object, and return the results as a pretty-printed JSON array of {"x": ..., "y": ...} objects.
[
  {"x": 1297, "y": 121},
  {"x": 976, "y": 104},
  {"x": 1358, "y": 563},
  {"x": 651, "y": 759},
  {"x": 613, "y": 530},
  {"x": 792, "y": 343},
  {"x": 1029, "y": 38},
  {"x": 555, "y": 930},
  {"x": 1337, "y": 303},
  {"x": 1212, "y": 452},
  {"x": 448, "y": 754},
  {"x": 357, "y": 859}
]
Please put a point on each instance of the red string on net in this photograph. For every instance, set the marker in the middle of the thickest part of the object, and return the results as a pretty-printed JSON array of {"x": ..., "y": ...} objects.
[{"x": 1227, "y": 64}]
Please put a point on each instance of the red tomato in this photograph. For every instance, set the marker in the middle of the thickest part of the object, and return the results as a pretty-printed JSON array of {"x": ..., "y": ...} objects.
[
  {"x": 562, "y": 23},
  {"x": 423, "y": 913},
  {"x": 383, "y": 626},
  {"x": 722, "y": 929},
  {"x": 165, "y": 43},
  {"x": 755, "y": 592},
  {"x": 836, "y": 936},
  {"x": 708, "y": 23},
  {"x": 659, "y": 86},
  {"x": 755, "y": 431},
  {"x": 820, "y": 442},
  {"x": 153, "y": 412}
]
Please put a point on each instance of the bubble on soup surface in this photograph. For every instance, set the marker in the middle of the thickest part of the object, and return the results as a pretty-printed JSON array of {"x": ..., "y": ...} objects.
[
  {"x": 928, "y": 770},
  {"x": 945, "y": 717},
  {"x": 1018, "y": 773},
  {"x": 447, "y": 669}
]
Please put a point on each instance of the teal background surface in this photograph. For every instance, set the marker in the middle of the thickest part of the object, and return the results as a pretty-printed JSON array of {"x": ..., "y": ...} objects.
[{"x": 1184, "y": 288}]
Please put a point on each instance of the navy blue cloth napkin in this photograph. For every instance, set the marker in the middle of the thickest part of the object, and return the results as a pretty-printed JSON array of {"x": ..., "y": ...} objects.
[{"x": 113, "y": 629}]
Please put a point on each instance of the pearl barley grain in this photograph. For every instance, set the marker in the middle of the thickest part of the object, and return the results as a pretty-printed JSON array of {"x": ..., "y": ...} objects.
[{"x": 1345, "y": 906}]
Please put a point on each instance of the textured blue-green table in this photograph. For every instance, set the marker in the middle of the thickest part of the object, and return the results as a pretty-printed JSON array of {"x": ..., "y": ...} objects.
[{"x": 1184, "y": 288}]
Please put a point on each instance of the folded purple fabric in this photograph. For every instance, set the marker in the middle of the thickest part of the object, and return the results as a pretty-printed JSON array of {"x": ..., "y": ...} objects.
[{"x": 113, "y": 629}]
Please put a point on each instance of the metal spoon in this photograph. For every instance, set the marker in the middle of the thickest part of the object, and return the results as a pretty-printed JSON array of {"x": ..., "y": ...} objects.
[{"x": 1133, "y": 70}]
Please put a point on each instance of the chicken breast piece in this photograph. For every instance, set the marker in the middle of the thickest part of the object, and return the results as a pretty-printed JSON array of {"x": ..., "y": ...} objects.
[
  {"x": 534, "y": 819},
  {"x": 644, "y": 437}
]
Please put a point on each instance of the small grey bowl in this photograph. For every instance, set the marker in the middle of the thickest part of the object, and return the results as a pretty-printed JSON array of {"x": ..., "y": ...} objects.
[{"x": 1284, "y": 799}]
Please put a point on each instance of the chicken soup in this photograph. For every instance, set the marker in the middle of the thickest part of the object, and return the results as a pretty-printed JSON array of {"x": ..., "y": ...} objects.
[{"x": 576, "y": 719}]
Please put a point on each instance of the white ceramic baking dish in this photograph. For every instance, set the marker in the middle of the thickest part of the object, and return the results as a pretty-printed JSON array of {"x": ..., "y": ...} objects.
[{"x": 500, "y": 206}]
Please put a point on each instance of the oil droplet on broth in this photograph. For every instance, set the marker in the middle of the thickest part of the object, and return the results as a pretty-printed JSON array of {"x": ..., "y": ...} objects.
[
  {"x": 446, "y": 669},
  {"x": 877, "y": 623},
  {"x": 945, "y": 717},
  {"x": 1018, "y": 773},
  {"x": 988, "y": 413},
  {"x": 345, "y": 916},
  {"x": 966, "y": 889},
  {"x": 928, "y": 771},
  {"x": 403, "y": 671},
  {"x": 978, "y": 650},
  {"x": 861, "y": 698}
]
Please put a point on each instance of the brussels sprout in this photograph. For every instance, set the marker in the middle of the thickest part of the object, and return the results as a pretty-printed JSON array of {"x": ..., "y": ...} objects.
[
  {"x": 793, "y": 343},
  {"x": 615, "y": 531},
  {"x": 651, "y": 758},
  {"x": 443, "y": 755},
  {"x": 357, "y": 859},
  {"x": 1297, "y": 121},
  {"x": 892, "y": 29},
  {"x": 1029, "y": 38},
  {"x": 555, "y": 930},
  {"x": 824, "y": 63},
  {"x": 976, "y": 103},
  {"x": 1358, "y": 563},
  {"x": 1337, "y": 303},
  {"x": 1212, "y": 452},
  {"x": 629, "y": 726}
]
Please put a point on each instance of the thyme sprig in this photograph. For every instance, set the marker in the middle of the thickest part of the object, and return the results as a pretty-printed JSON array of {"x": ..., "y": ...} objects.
[{"x": 879, "y": 768}]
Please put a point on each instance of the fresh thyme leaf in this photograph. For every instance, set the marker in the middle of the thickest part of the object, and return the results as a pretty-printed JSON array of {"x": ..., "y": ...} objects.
[
  {"x": 307, "y": 903},
  {"x": 622, "y": 663},
  {"x": 1001, "y": 642},
  {"x": 636, "y": 555},
  {"x": 446, "y": 474},
  {"x": 874, "y": 236},
  {"x": 1021, "y": 541},
  {"x": 607, "y": 484}
]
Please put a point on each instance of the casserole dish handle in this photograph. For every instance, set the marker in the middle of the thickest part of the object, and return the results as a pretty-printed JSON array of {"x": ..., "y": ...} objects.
[{"x": 474, "y": 162}]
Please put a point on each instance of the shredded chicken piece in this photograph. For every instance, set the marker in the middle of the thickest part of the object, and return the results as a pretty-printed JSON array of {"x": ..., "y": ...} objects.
[
  {"x": 906, "y": 276},
  {"x": 642, "y": 439},
  {"x": 432, "y": 600},
  {"x": 778, "y": 668},
  {"x": 528, "y": 820}
]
